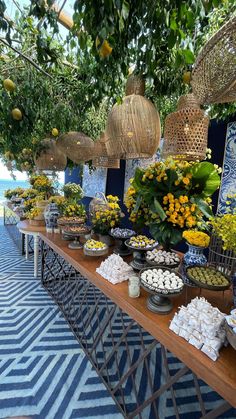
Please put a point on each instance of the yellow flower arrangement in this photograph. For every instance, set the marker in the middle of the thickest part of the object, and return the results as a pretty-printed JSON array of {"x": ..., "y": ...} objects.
[
  {"x": 17, "y": 192},
  {"x": 170, "y": 196},
  {"x": 33, "y": 213},
  {"x": 42, "y": 184},
  {"x": 196, "y": 238},
  {"x": 225, "y": 228},
  {"x": 105, "y": 219},
  {"x": 29, "y": 193},
  {"x": 29, "y": 204},
  {"x": 72, "y": 210}
]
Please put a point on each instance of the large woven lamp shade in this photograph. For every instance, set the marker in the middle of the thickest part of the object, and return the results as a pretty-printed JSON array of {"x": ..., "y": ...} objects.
[
  {"x": 102, "y": 159},
  {"x": 133, "y": 128},
  {"x": 50, "y": 158},
  {"x": 214, "y": 74},
  {"x": 77, "y": 146},
  {"x": 186, "y": 131}
]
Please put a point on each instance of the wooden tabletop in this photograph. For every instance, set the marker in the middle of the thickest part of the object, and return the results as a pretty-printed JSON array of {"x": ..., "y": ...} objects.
[
  {"x": 28, "y": 228},
  {"x": 219, "y": 375}
]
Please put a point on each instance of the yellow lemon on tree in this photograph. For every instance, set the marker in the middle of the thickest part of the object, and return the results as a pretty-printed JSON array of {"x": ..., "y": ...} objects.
[
  {"x": 16, "y": 114},
  {"x": 55, "y": 132},
  {"x": 9, "y": 85},
  {"x": 34, "y": 140},
  {"x": 105, "y": 49},
  {"x": 8, "y": 155},
  {"x": 187, "y": 77}
]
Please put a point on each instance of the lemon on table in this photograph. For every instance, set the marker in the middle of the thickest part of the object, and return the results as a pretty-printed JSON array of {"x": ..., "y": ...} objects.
[
  {"x": 16, "y": 114},
  {"x": 187, "y": 77},
  {"x": 9, "y": 85},
  {"x": 55, "y": 132}
]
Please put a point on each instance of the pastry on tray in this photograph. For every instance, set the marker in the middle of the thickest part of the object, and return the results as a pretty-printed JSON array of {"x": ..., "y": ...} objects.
[{"x": 70, "y": 220}]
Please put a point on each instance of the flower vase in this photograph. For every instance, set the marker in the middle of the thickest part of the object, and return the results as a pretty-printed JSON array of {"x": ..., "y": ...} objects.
[
  {"x": 194, "y": 256},
  {"x": 51, "y": 215},
  {"x": 105, "y": 238}
]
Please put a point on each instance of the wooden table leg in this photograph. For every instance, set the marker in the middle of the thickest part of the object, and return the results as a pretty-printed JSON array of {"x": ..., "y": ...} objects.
[{"x": 36, "y": 255}]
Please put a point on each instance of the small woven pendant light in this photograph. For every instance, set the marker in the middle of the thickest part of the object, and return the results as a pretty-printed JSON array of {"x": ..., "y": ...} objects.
[
  {"x": 77, "y": 146},
  {"x": 102, "y": 159},
  {"x": 50, "y": 158},
  {"x": 133, "y": 128},
  {"x": 186, "y": 131}
]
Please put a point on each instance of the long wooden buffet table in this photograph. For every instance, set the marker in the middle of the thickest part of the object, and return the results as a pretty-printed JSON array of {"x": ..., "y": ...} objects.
[{"x": 104, "y": 318}]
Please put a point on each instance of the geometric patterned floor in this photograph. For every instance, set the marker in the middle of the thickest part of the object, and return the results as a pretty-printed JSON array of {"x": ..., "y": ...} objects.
[{"x": 44, "y": 373}]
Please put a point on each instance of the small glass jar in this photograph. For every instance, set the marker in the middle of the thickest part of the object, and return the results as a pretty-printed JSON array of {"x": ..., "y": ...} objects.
[{"x": 134, "y": 287}]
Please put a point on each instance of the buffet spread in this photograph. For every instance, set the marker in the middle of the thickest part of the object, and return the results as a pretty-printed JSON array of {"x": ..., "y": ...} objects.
[{"x": 154, "y": 265}]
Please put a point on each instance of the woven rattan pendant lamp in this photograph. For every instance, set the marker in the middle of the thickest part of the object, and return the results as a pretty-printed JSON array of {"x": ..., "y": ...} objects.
[
  {"x": 133, "y": 127},
  {"x": 77, "y": 146},
  {"x": 214, "y": 73},
  {"x": 50, "y": 158},
  {"x": 185, "y": 131},
  {"x": 102, "y": 159}
]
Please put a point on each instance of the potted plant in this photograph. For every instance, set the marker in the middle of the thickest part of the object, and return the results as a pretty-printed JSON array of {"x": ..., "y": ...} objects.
[
  {"x": 105, "y": 218},
  {"x": 73, "y": 191},
  {"x": 35, "y": 216},
  {"x": 44, "y": 186},
  {"x": 171, "y": 196},
  {"x": 222, "y": 251}
]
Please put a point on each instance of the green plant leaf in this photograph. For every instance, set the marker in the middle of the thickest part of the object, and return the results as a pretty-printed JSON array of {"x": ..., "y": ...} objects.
[
  {"x": 157, "y": 208},
  {"x": 203, "y": 206}
]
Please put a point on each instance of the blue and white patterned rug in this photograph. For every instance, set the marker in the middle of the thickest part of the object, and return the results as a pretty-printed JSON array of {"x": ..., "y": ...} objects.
[{"x": 44, "y": 373}]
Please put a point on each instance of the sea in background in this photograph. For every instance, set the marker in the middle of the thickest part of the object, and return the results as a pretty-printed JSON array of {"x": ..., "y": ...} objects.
[{"x": 11, "y": 184}]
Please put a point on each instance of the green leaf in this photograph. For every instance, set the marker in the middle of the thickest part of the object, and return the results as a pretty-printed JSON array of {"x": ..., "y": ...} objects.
[
  {"x": 189, "y": 56},
  {"x": 138, "y": 203},
  {"x": 125, "y": 10},
  {"x": 212, "y": 184},
  {"x": 206, "y": 176},
  {"x": 173, "y": 24},
  {"x": 203, "y": 206},
  {"x": 159, "y": 210}
]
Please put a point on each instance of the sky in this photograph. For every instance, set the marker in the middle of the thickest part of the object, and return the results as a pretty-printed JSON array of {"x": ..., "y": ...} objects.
[{"x": 5, "y": 174}]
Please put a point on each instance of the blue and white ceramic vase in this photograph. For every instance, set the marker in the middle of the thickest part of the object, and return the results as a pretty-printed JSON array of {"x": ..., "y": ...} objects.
[
  {"x": 194, "y": 256},
  {"x": 51, "y": 215}
]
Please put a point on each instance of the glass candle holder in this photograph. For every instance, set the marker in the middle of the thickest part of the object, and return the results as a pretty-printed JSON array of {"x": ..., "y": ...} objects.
[{"x": 134, "y": 287}]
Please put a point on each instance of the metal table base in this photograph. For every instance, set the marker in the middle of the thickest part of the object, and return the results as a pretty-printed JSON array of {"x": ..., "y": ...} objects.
[{"x": 120, "y": 350}]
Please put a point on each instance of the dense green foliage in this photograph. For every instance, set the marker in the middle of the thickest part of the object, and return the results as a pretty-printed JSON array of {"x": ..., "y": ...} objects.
[{"x": 159, "y": 39}]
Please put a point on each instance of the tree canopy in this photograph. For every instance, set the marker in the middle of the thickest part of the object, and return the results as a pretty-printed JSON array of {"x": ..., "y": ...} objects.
[{"x": 70, "y": 83}]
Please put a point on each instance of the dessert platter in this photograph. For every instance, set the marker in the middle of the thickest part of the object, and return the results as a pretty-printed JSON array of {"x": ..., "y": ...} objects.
[
  {"x": 162, "y": 257},
  {"x": 63, "y": 222},
  {"x": 95, "y": 248},
  {"x": 76, "y": 232},
  {"x": 162, "y": 283},
  {"x": 139, "y": 245},
  {"x": 122, "y": 234},
  {"x": 208, "y": 277}
]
